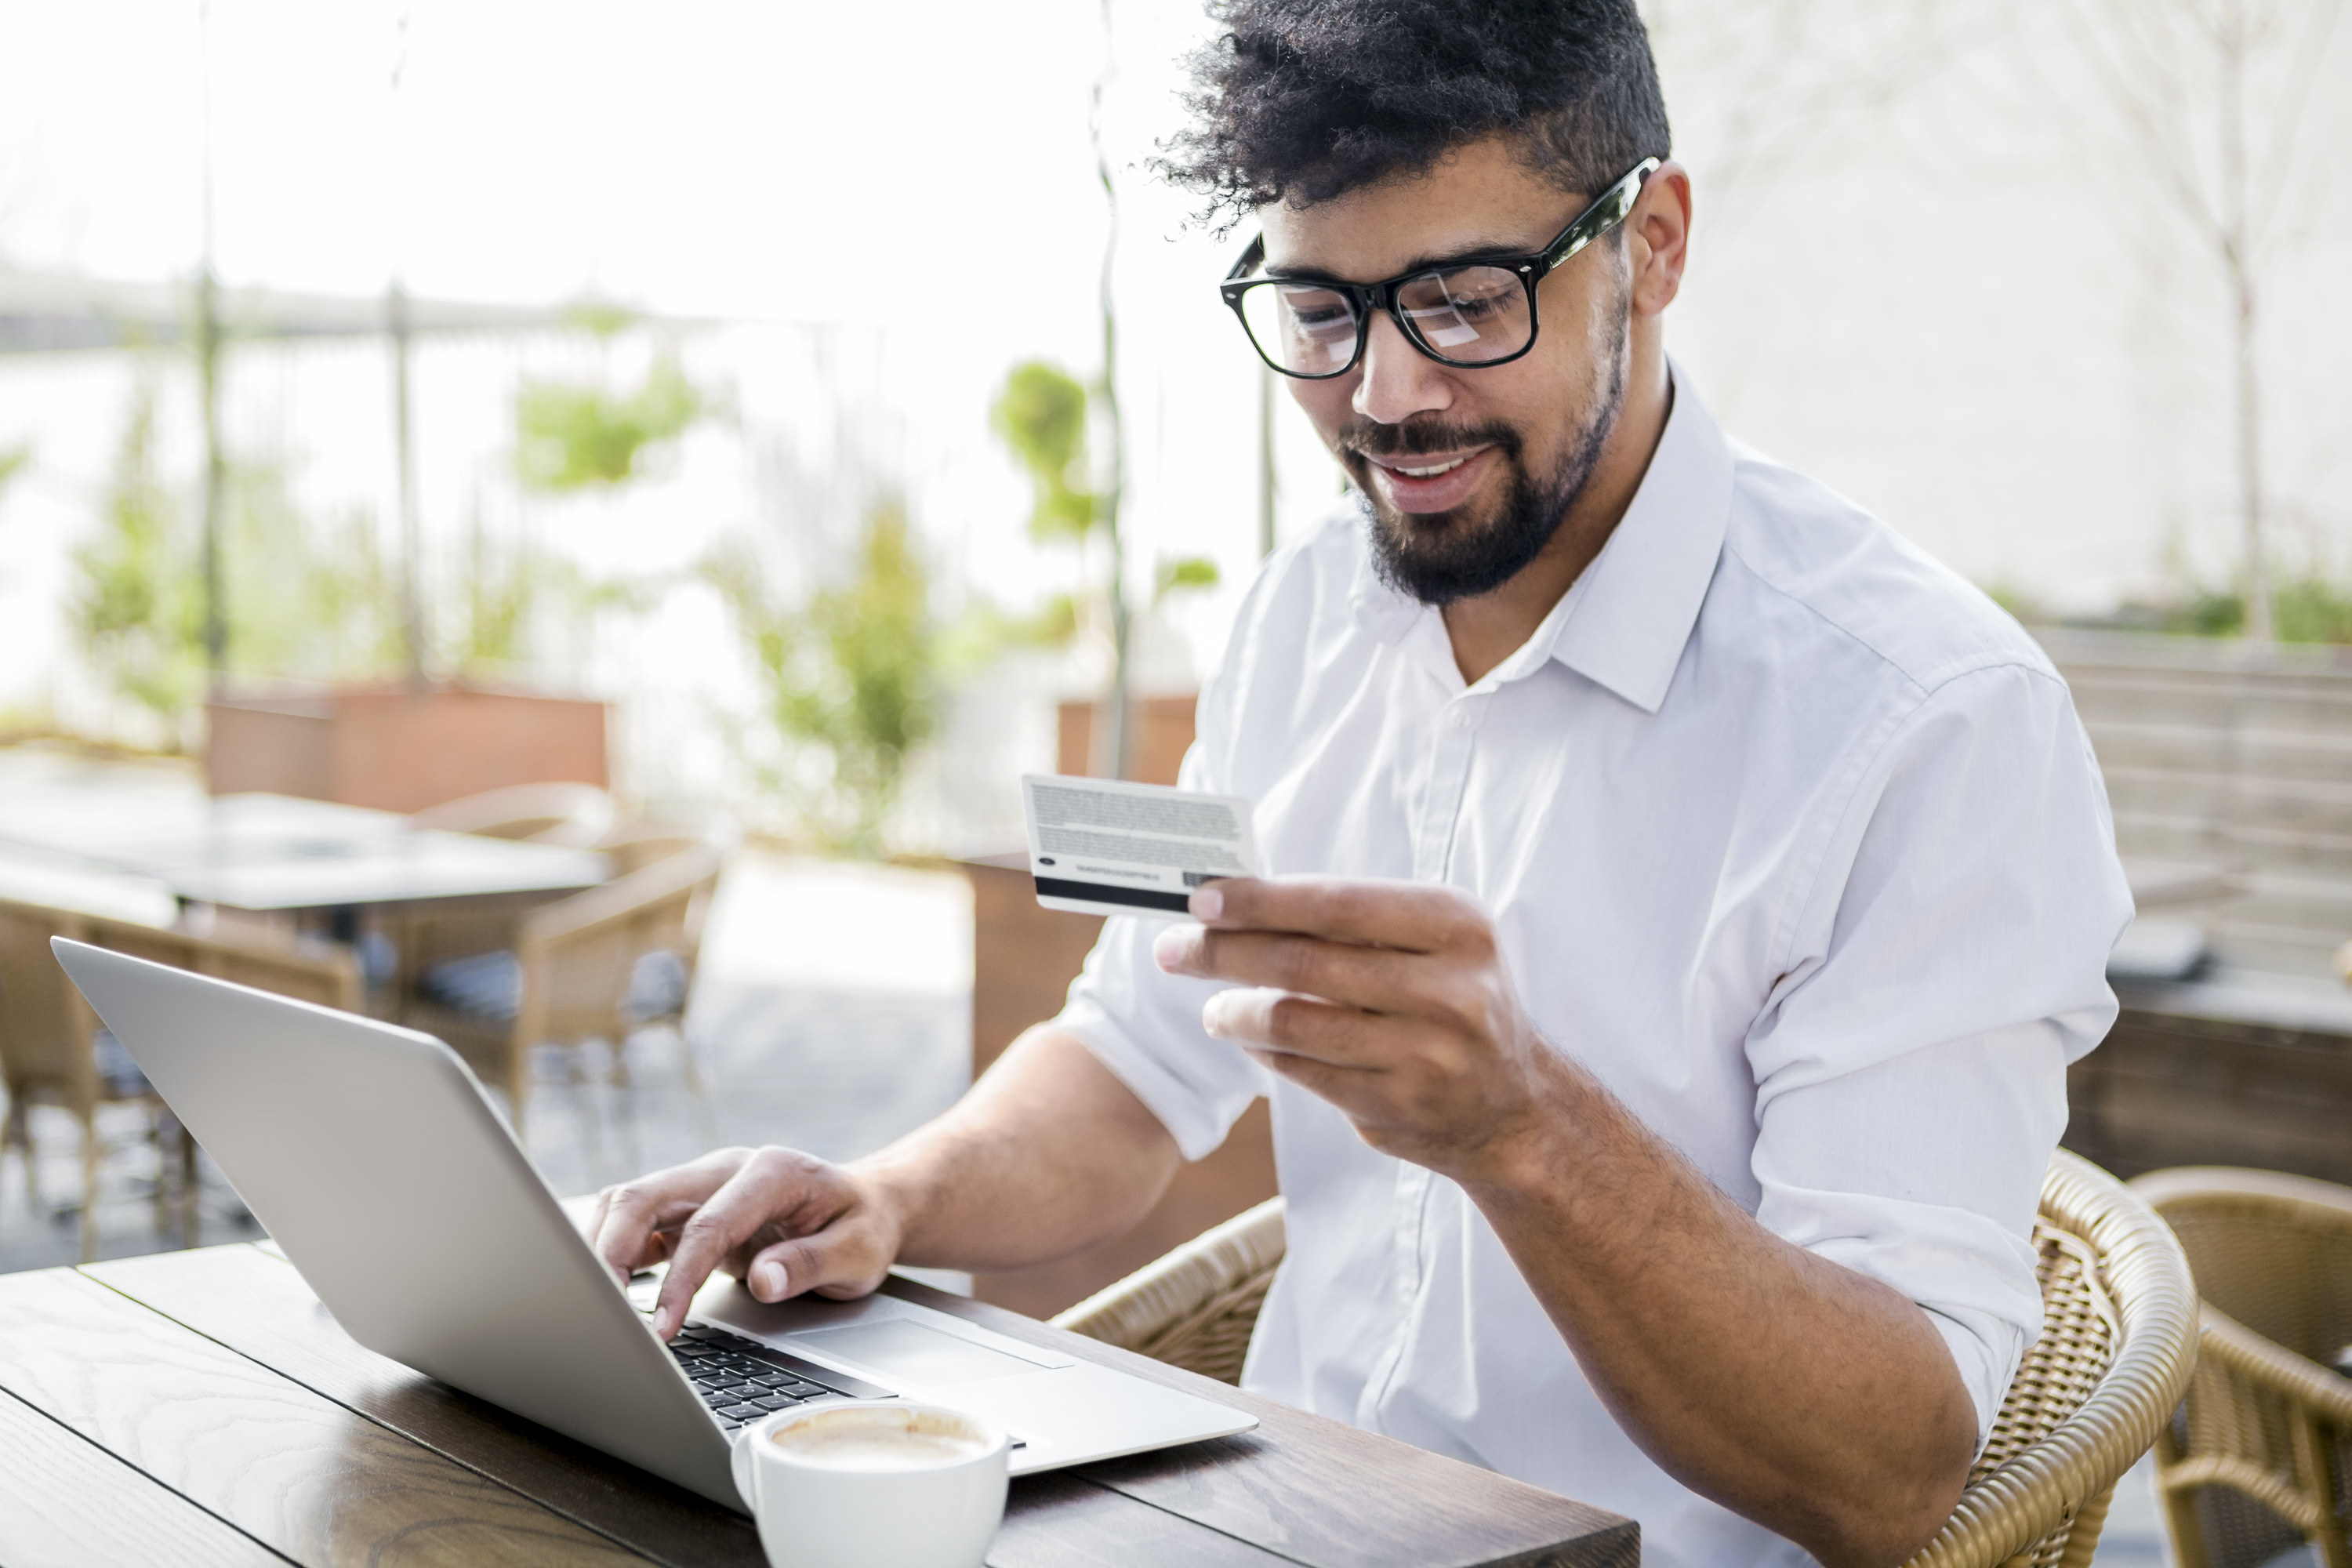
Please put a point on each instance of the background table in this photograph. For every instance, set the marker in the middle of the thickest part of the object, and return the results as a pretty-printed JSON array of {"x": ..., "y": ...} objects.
[
  {"x": 273, "y": 852},
  {"x": 202, "y": 1408}
]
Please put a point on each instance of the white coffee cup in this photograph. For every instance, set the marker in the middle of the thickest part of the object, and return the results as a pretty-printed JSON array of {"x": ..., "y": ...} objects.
[{"x": 874, "y": 1484}]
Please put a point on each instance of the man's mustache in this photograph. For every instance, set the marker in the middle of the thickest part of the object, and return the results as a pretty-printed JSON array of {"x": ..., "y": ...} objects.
[{"x": 1418, "y": 437}]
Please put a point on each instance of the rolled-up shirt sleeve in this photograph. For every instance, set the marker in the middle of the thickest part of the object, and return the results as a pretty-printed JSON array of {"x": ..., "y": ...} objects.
[
  {"x": 1144, "y": 1024},
  {"x": 1947, "y": 966}
]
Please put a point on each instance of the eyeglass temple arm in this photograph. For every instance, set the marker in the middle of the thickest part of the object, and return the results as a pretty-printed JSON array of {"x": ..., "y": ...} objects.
[
  {"x": 1255, "y": 254},
  {"x": 1598, "y": 219}
]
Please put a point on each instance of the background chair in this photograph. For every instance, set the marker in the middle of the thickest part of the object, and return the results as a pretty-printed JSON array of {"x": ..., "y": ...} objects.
[
  {"x": 2259, "y": 1458},
  {"x": 576, "y": 814},
  {"x": 598, "y": 965},
  {"x": 54, "y": 1050},
  {"x": 2114, "y": 1353}
]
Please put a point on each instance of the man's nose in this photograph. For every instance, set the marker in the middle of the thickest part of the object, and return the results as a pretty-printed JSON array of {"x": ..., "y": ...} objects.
[{"x": 1395, "y": 380}]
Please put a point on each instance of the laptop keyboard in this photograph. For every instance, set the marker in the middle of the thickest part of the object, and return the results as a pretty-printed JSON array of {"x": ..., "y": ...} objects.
[{"x": 742, "y": 1380}]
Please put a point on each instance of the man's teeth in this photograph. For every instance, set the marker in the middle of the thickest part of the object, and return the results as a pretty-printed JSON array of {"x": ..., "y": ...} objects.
[{"x": 1431, "y": 473}]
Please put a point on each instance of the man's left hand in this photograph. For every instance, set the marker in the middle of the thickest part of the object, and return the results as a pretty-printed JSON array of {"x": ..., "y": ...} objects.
[{"x": 1389, "y": 999}]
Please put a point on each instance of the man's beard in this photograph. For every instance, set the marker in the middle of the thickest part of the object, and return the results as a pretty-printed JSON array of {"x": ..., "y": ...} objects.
[{"x": 1439, "y": 557}]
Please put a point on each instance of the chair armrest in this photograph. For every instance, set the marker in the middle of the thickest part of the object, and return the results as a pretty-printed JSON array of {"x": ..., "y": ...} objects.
[
  {"x": 2326, "y": 1393},
  {"x": 584, "y": 914}
]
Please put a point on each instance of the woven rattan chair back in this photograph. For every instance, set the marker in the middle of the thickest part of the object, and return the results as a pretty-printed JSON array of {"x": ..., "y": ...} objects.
[
  {"x": 2259, "y": 1458},
  {"x": 2118, "y": 1330},
  {"x": 574, "y": 814},
  {"x": 577, "y": 959},
  {"x": 1195, "y": 1307}
]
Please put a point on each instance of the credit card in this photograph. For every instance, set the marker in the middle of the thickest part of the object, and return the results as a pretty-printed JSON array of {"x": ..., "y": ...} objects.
[{"x": 1101, "y": 847}]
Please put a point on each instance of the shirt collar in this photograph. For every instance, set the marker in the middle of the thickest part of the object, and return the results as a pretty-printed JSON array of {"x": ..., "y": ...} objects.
[{"x": 1625, "y": 621}]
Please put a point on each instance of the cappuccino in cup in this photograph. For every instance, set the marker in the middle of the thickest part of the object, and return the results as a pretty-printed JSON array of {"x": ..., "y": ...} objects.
[
  {"x": 878, "y": 1484},
  {"x": 910, "y": 1437}
]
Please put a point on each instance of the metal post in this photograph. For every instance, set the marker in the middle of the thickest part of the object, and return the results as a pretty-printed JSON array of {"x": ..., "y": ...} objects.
[
  {"x": 208, "y": 356},
  {"x": 396, "y": 314},
  {"x": 1114, "y": 747},
  {"x": 2237, "y": 246},
  {"x": 412, "y": 546}
]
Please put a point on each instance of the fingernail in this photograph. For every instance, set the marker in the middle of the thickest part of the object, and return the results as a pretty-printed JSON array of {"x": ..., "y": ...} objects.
[
  {"x": 1167, "y": 948},
  {"x": 1212, "y": 1018},
  {"x": 1208, "y": 903},
  {"x": 768, "y": 1281}
]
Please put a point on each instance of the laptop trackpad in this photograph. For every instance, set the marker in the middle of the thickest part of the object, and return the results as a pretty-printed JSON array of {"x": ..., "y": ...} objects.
[{"x": 911, "y": 1351}]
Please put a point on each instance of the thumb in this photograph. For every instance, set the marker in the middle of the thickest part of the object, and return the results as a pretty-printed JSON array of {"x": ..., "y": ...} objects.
[{"x": 829, "y": 1260}]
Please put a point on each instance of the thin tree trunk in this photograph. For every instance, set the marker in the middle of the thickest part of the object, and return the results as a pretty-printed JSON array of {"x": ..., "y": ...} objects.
[
  {"x": 395, "y": 311},
  {"x": 208, "y": 355},
  {"x": 1114, "y": 746},
  {"x": 2237, "y": 254},
  {"x": 412, "y": 545}
]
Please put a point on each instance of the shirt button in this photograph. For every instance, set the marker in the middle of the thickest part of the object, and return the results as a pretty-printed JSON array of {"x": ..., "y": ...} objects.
[{"x": 1462, "y": 718}]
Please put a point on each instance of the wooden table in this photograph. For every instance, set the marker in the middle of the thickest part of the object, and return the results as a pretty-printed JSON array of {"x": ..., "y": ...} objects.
[{"x": 202, "y": 1408}]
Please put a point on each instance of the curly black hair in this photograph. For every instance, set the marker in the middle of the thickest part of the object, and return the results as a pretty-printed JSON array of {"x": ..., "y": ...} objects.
[{"x": 1298, "y": 101}]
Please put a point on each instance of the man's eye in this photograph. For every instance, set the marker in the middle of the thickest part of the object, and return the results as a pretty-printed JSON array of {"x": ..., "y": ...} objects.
[
  {"x": 1319, "y": 310},
  {"x": 1481, "y": 300}
]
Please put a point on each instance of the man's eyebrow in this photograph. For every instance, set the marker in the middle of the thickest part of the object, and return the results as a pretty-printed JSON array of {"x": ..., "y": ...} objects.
[{"x": 1470, "y": 250}]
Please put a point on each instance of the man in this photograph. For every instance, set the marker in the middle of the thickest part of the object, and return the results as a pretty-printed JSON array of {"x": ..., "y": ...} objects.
[{"x": 1687, "y": 897}]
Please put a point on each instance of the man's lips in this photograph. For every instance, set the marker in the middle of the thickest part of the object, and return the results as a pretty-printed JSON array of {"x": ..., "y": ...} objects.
[{"x": 1430, "y": 481}]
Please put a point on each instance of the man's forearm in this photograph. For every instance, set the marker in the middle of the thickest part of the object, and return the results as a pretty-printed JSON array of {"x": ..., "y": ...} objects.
[
  {"x": 1048, "y": 1154},
  {"x": 1801, "y": 1393}
]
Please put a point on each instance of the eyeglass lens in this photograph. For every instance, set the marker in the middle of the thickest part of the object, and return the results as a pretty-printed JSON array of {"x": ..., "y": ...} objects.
[{"x": 1469, "y": 314}]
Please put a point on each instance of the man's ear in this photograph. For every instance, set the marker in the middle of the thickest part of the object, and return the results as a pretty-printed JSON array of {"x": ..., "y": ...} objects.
[{"x": 1658, "y": 239}]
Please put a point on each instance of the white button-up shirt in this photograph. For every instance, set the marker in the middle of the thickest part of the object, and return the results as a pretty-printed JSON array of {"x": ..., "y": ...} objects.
[{"x": 1790, "y": 836}]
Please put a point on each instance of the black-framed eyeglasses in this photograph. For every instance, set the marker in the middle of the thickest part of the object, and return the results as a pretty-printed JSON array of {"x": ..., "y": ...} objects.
[{"x": 1470, "y": 315}]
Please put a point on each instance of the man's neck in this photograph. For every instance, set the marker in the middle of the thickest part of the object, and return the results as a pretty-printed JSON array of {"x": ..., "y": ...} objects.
[{"x": 1489, "y": 629}]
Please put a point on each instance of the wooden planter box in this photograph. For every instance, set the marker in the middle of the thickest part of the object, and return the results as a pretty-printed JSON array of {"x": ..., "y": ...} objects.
[
  {"x": 2255, "y": 1081},
  {"x": 1023, "y": 959},
  {"x": 1164, "y": 734},
  {"x": 396, "y": 751}
]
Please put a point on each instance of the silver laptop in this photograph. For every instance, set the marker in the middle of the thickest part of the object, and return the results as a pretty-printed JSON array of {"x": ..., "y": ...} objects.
[{"x": 383, "y": 1173}]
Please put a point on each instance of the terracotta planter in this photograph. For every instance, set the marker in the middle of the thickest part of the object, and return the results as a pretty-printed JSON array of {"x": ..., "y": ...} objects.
[
  {"x": 1023, "y": 959},
  {"x": 396, "y": 751},
  {"x": 1164, "y": 732}
]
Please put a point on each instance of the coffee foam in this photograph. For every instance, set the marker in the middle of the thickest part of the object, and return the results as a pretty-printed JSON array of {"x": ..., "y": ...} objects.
[{"x": 875, "y": 1440}]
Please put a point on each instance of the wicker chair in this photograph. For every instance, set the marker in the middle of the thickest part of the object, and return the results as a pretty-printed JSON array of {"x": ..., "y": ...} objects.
[
  {"x": 2259, "y": 1458},
  {"x": 598, "y": 965},
  {"x": 2114, "y": 1356},
  {"x": 573, "y": 814},
  {"x": 53, "y": 1051}
]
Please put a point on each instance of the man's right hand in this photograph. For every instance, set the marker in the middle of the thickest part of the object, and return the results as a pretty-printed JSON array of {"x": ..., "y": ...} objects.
[{"x": 782, "y": 1221}]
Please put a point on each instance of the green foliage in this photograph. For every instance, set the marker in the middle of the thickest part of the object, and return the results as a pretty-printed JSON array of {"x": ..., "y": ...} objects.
[
  {"x": 599, "y": 318},
  {"x": 2019, "y": 602},
  {"x": 1042, "y": 415},
  {"x": 137, "y": 612},
  {"x": 2208, "y": 614},
  {"x": 975, "y": 639},
  {"x": 570, "y": 437},
  {"x": 309, "y": 598},
  {"x": 1191, "y": 573},
  {"x": 507, "y": 593},
  {"x": 852, "y": 677},
  {"x": 14, "y": 460},
  {"x": 2313, "y": 609},
  {"x": 2310, "y": 608}
]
